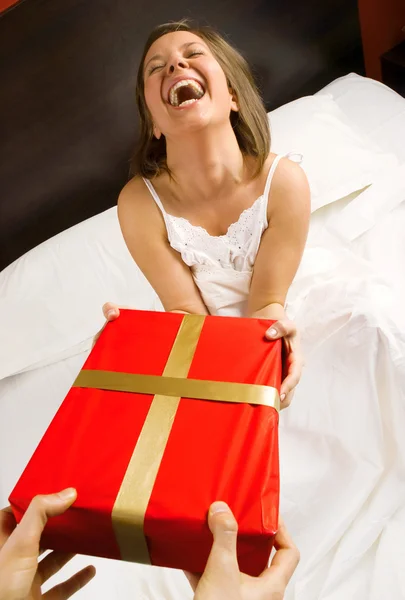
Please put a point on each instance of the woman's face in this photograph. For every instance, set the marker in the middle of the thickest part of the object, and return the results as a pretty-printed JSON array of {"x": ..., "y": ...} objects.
[{"x": 185, "y": 87}]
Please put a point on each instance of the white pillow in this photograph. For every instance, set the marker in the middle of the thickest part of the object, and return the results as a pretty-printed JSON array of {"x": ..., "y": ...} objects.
[
  {"x": 51, "y": 298},
  {"x": 337, "y": 158},
  {"x": 374, "y": 108}
]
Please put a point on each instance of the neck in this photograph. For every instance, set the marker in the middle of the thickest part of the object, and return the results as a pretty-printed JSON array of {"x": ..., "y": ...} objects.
[{"x": 206, "y": 161}]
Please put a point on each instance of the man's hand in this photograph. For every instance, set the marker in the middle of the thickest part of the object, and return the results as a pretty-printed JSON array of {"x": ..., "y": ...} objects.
[
  {"x": 222, "y": 579},
  {"x": 21, "y": 575}
]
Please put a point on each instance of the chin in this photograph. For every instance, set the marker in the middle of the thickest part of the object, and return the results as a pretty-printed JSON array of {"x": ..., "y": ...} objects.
[{"x": 198, "y": 121}]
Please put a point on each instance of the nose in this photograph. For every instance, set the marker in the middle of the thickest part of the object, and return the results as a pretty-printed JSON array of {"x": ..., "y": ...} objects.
[{"x": 177, "y": 63}]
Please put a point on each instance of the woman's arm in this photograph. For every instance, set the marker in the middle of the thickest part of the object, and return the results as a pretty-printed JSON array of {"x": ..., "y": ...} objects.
[
  {"x": 283, "y": 242},
  {"x": 144, "y": 232},
  {"x": 277, "y": 262}
]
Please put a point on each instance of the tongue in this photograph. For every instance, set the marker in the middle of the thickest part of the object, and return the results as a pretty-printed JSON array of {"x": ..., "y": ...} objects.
[{"x": 186, "y": 93}]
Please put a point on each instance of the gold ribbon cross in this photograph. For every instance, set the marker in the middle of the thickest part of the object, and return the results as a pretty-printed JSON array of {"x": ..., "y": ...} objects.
[{"x": 128, "y": 514}]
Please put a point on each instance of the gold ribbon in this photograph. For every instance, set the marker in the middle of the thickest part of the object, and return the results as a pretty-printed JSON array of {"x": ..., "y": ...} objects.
[
  {"x": 199, "y": 389},
  {"x": 128, "y": 514}
]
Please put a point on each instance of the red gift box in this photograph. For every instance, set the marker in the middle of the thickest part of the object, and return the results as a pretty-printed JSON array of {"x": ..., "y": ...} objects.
[{"x": 169, "y": 413}]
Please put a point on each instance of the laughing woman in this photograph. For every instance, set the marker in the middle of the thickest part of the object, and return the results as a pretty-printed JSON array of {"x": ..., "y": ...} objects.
[{"x": 216, "y": 222}]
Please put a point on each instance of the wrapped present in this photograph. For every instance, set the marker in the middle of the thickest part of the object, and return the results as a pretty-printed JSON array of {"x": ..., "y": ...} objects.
[{"x": 169, "y": 413}]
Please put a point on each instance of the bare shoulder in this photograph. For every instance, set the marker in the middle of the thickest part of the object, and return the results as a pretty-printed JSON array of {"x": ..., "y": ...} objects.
[
  {"x": 289, "y": 188},
  {"x": 289, "y": 175},
  {"x": 137, "y": 207},
  {"x": 134, "y": 195}
]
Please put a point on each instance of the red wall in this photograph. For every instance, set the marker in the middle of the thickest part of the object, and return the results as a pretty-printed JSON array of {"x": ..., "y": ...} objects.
[
  {"x": 6, "y": 3},
  {"x": 381, "y": 23}
]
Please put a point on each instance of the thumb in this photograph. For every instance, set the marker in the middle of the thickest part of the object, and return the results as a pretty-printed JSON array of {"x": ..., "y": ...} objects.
[
  {"x": 281, "y": 328},
  {"x": 222, "y": 561},
  {"x": 25, "y": 539},
  {"x": 111, "y": 311}
]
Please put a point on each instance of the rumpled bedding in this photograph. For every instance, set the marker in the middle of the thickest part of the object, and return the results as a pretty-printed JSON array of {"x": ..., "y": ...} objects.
[{"x": 342, "y": 441}]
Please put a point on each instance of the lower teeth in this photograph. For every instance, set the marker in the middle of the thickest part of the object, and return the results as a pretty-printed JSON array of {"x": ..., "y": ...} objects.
[{"x": 188, "y": 102}]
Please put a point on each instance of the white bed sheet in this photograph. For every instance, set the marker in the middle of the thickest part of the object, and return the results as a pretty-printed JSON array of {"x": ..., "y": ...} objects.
[{"x": 342, "y": 445}]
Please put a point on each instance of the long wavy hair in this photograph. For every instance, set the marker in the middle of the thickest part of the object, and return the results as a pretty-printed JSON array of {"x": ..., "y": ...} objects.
[{"x": 250, "y": 123}]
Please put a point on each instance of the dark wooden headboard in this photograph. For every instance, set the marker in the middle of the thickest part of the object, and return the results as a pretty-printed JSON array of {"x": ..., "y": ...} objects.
[{"x": 67, "y": 71}]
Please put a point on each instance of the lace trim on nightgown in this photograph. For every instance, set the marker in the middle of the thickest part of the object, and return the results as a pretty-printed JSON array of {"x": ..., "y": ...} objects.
[{"x": 235, "y": 250}]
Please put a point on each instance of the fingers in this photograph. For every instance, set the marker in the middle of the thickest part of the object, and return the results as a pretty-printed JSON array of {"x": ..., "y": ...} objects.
[
  {"x": 282, "y": 328},
  {"x": 193, "y": 579},
  {"x": 283, "y": 539},
  {"x": 7, "y": 509},
  {"x": 111, "y": 311},
  {"x": 222, "y": 561},
  {"x": 7, "y": 524},
  {"x": 287, "y": 399},
  {"x": 224, "y": 529},
  {"x": 294, "y": 365},
  {"x": 25, "y": 538},
  {"x": 51, "y": 564},
  {"x": 290, "y": 383},
  {"x": 286, "y": 558},
  {"x": 222, "y": 568},
  {"x": 71, "y": 586}
]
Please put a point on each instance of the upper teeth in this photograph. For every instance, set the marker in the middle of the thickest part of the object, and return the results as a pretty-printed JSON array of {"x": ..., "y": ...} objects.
[{"x": 191, "y": 82}]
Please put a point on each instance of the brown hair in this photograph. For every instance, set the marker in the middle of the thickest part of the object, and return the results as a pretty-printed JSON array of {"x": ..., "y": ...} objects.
[{"x": 250, "y": 124}]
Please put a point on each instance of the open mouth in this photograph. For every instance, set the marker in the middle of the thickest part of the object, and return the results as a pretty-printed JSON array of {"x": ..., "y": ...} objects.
[{"x": 185, "y": 92}]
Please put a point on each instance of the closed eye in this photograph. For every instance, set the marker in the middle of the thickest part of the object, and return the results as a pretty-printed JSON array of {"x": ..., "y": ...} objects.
[
  {"x": 161, "y": 66},
  {"x": 154, "y": 68}
]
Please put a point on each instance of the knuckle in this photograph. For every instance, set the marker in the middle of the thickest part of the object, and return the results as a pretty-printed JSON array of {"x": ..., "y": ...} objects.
[
  {"x": 77, "y": 584},
  {"x": 39, "y": 502},
  {"x": 37, "y": 510},
  {"x": 282, "y": 328},
  {"x": 289, "y": 326}
]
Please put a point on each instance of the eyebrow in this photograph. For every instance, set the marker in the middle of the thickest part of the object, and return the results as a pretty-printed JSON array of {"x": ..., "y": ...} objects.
[{"x": 183, "y": 47}]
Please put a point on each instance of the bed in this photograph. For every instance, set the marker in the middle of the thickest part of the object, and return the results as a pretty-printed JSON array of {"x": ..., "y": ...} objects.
[
  {"x": 68, "y": 126},
  {"x": 342, "y": 444}
]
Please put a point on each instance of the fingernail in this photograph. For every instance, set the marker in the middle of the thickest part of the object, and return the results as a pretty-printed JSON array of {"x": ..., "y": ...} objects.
[
  {"x": 272, "y": 332},
  {"x": 67, "y": 494},
  {"x": 219, "y": 507},
  {"x": 282, "y": 397},
  {"x": 111, "y": 313}
]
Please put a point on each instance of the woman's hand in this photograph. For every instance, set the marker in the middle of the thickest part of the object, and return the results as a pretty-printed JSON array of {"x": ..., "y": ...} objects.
[
  {"x": 222, "y": 579},
  {"x": 111, "y": 311},
  {"x": 293, "y": 362},
  {"x": 21, "y": 575}
]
